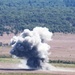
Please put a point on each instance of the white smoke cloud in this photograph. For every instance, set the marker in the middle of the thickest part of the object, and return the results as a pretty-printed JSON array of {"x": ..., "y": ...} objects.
[{"x": 32, "y": 47}]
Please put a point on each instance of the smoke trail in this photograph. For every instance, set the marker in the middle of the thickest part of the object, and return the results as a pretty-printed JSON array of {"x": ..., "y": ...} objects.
[{"x": 31, "y": 46}]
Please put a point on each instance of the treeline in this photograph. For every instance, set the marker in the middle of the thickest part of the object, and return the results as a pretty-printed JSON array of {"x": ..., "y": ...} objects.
[
  {"x": 62, "y": 61},
  {"x": 70, "y": 3},
  {"x": 57, "y": 15},
  {"x": 4, "y": 44}
]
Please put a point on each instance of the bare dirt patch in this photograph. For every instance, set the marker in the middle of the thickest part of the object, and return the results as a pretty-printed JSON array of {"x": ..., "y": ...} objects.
[
  {"x": 6, "y": 38},
  {"x": 13, "y": 68},
  {"x": 62, "y": 46}
]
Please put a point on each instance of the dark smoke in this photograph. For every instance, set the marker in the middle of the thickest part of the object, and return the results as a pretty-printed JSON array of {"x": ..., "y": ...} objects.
[{"x": 32, "y": 47}]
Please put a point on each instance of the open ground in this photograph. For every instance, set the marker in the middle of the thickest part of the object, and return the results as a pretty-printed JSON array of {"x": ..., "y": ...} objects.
[{"x": 62, "y": 48}]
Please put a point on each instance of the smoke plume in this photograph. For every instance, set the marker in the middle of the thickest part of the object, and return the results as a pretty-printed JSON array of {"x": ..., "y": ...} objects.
[{"x": 32, "y": 47}]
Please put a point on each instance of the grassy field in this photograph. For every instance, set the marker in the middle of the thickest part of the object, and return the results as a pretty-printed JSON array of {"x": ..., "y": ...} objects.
[
  {"x": 9, "y": 60},
  {"x": 25, "y": 74},
  {"x": 17, "y": 61},
  {"x": 62, "y": 49},
  {"x": 62, "y": 46},
  {"x": 64, "y": 65}
]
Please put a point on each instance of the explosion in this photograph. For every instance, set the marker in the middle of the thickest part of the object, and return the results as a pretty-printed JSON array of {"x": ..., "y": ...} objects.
[{"x": 32, "y": 47}]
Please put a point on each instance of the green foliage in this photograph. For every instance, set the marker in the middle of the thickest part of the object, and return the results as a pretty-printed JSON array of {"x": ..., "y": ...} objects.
[
  {"x": 9, "y": 60},
  {"x": 57, "y": 15},
  {"x": 62, "y": 61},
  {"x": 63, "y": 65},
  {"x": 69, "y": 2}
]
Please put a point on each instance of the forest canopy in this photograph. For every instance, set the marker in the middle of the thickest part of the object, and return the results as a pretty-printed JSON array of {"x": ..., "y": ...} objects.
[{"x": 17, "y": 15}]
